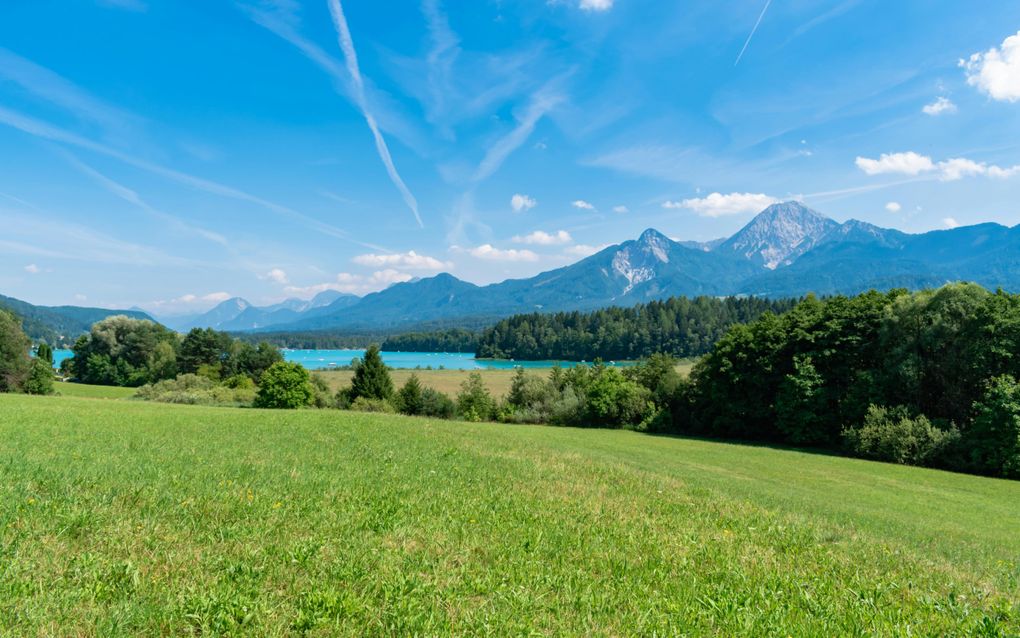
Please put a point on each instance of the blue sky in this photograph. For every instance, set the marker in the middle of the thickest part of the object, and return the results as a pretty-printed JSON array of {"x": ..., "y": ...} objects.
[{"x": 171, "y": 154}]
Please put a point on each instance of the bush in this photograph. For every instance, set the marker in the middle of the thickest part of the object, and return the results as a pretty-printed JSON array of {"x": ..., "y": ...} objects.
[
  {"x": 436, "y": 404},
  {"x": 364, "y": 404},
  {"x": 993, "y": 439},
  {"x": 474, "y": 403},
  {"x": 612, "y": 400},
  {"x": 890, "y": 434},
  {"x": 284, "y": 386},
  {"x": 40, "y": 377},
  {"x": 193, "y": 389},
  {"x": 320, "y": 393},
  {"x": 409, "y": 399}
]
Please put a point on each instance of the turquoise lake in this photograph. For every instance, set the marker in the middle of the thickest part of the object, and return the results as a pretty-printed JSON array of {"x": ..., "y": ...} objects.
[{"x": 325, "y": 359}]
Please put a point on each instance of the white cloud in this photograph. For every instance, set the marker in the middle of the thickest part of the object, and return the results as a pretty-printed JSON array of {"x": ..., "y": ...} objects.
[
  {"x": 893, "y": 207},
  {"x": 521, "y": 203},
  {"x": 939, "y": 106},
  {"x": 80, "y": 297},
  {"x": 949, "y": 222},
  {"x": 277, "y": 275},
  {"x": 583, "y": 205},
  {"x": 542, "y": 238},
  {"x": 410, "y": 259},
  {"x": 996, "y": 72},
  {"x": 491, "y": 253},
  {"x": 583, "y": 250},
  {"x": 717, "y": 204},
  {"x": 353, "y": 283},
  {"x": 596, "y": 5},
  {"x": 32, "y": 269},
  {"x": 621, "y": 209},
  {"x": 911, "y": 163},
  {"x": 957, "y": 168},
  {"x": 189, "y": 302}
]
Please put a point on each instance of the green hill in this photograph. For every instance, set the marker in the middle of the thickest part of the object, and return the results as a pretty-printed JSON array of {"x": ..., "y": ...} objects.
[
  {"x": 59, "y": 325},
  {"x": 129, "y": 518}
]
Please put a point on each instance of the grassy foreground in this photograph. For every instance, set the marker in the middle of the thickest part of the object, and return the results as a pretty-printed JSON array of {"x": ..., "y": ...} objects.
[{"x": 121, "y": 518}]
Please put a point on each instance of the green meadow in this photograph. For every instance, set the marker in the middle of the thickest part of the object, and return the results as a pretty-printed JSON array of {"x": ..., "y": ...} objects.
[{"x": 133, "y": 518}]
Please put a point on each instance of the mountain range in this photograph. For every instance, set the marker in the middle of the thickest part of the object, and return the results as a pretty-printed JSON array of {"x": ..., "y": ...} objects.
[{"x": 787, "y": 250}]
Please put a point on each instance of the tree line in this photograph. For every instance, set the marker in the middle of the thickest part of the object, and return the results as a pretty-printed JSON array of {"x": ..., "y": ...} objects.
[
  {"x": 926, "y": 378},
  {"x": 451, "y": 340},
  {"x": 130, "y": 352},
  {"x": 679, "y": 326}
]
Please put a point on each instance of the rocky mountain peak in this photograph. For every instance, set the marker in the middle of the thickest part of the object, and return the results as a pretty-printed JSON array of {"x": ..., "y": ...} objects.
[{"x": 779, "y": 234}]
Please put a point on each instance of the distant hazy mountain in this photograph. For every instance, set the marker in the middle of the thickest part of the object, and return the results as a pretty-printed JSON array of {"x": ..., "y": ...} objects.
[
  {"x": 238, "y": 315},
  {"x": 786, "y": 250},
  {"x": 60, "y": 324}
]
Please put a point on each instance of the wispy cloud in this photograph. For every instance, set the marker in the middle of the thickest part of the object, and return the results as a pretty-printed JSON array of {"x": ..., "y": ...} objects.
[
  {"x": 130, "y": 5},
  {"x": 351, "y": 59},
  {"x": 441, "y": 57},
  {"x": 54, "y": 89},
  {"x": 520, "y": 203},
  {"x": 542, "y": 101},
  {"x": 46, "y": 131},
  {"x": 753, "y": 31},
  {"x": 132, "y": 197},
  {"x": 582, "y": 204}
]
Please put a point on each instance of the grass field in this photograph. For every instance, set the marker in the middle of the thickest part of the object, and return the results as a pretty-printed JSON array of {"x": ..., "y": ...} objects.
[
  {"x": 448, "y": 381},
  {"x": 131, "y": 518},
  {"x": 92, "y": 391}
]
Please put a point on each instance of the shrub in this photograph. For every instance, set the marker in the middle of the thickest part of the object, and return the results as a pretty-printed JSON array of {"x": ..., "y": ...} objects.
[
  {"x": 409, "y": 399},
  {"x": 474, "y": 402},
  {"x": 436, "y": 404},
  {"x": 40, "y": 378},
  {"x": 320, "y": 393},
  {"x": 890, "y": 434},
  {"x": 364, "y": 404},
  {"x": 613, "y": 400},
  {"x": 993, "y": 439},
  {"x": 284, "y": 386},
  {"x": 193, "y": 389}
]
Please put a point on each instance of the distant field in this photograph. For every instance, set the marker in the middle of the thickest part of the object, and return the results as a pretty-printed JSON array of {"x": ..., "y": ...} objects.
[
  {"x": 132, "y": 518},
  {"x": 93, "y": 391},
  {"x": 448, "y": 381}
]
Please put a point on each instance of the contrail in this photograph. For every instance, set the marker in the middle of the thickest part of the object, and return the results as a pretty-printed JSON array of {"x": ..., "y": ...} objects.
[
  {"x": 351, "y": 59},
  {"x": 751, "y": 35}
]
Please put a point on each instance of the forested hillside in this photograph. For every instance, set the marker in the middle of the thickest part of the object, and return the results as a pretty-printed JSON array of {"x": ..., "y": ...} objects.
[
  {"x": 59, "y": 325},
  {"x": 679, "y": 326}
]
